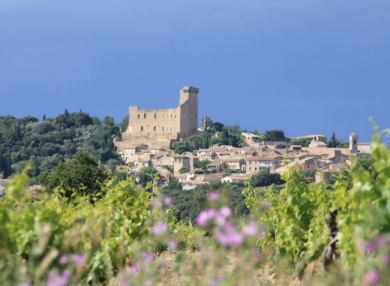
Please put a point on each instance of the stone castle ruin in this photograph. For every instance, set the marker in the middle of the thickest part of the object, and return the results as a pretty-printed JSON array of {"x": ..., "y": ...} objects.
[{"x": 161, "y": 127}]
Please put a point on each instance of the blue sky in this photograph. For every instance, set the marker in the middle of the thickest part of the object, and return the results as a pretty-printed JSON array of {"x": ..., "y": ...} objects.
[{"x": 305, "y": 66}]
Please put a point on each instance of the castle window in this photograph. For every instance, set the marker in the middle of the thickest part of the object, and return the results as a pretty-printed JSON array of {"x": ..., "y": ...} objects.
[
  {"x": 142, "y": 128},
  {"x": 154, "y": 128},
  {"x": 139, "y": 116},
  {"x": 163, "y": 129},
  {"x": 171, "y": 128},
  {"x": 144, "y": 115},
  {"x": 155, "y": 115},
  {"x": 171, "y": 115}
]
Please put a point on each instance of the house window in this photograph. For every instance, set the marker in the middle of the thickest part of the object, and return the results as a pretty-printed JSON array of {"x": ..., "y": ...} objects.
[
  {"x": 155, "y": 115},
  {"x": 142, "y": 128},
  {"x": 163, "y": 129},
  {"x": 144, "y": 115},
  {"x": 171, "y": 128},
  {"x": 154, "y": 128},
  {"x": 139, "y": 116},
  {"x": 171, "y": 115}
]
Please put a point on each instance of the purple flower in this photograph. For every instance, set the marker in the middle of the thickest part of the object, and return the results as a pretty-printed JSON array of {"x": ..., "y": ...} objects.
[
  {"x": 229, "y": 236},
  {"x": 370, "y": 247},
  {"x": 214, "y": 196},
  {"x": 55, "y": 279},
  {"x": 381, "y": 241},
  {"x": 147, "y": 256},
  {"x": 372, "y": 277},
  {"x": 219, "y": 219},
  {"x": 63, "y": 259},
  {"x": 225, "y": 211},
  {"x": 386, "y": 259},
  {"x": 159, "y": 228},
  {"x": 251, "y": 229},
  {"x": 167, "y": 201},
  {"x": 172, "y": 244},
  {"x": 78, "y": 259},
  {"x": 232, "y": 239},
  {"x": 133, "y": 269},
  {"x": 204, "y": 217},
  {"x": 215, "y": 282}
]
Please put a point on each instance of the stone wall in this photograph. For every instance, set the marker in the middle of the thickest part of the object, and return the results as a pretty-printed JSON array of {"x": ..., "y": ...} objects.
[{"x": 160, "y": 127}]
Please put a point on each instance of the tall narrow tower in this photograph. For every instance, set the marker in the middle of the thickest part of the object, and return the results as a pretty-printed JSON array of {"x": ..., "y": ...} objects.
[
  {"x": 188, "y": 111},
  {"x": 353, "y": 143}
]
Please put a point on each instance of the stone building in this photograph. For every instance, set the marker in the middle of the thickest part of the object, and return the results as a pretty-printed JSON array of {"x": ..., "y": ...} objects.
[{"x": 161, "y": 127}]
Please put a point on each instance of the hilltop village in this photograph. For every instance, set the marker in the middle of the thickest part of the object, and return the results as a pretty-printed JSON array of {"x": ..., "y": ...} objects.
[{"x": 150, "y": 133}]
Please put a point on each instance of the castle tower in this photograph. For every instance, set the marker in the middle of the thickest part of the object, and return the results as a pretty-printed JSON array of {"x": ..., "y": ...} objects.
[
  {"x": 188, "y": 108},
  {"x": 353, "y": 143}
]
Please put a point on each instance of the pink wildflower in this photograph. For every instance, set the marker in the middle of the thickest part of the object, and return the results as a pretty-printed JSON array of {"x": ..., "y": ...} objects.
[
  {"x": 63, "y": 259},
  {"x": 229, "y": 236},
  {"x": 251, "y": 229},
  {"x": 214, "y": 196},
  {"x": 147, "y": 256},
  {"x": 55, "y": 279},
  {"x": 167, "y": 201},
  {"x": 204, "y": 217},
  {"x": 381, "y": 241},
  {"x": 159, "y": 228},
  {"x": 172, "y": 244},
  {"x": 370, "y": 247},
  {"x": 78, "y": 259},
  {"x": 133, "y": 269},
  {"x": 372, "y": 277},
  {"x": 225, "y": 211},
  {"x": 386, "y": 259}
]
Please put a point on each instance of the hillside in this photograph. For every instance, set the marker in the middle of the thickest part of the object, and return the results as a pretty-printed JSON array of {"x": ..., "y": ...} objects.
[{"x": 43, "y": 144}]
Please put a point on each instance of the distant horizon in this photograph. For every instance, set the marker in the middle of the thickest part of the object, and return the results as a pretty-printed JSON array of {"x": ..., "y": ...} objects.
[{"x": 287, "y": 132}]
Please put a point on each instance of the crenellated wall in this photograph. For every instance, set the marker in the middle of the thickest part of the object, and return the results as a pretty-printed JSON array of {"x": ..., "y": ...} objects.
[{"x": 160, "y": 127}]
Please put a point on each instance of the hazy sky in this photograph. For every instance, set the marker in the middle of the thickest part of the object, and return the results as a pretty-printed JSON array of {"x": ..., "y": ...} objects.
[{"x": 304, "y": 66}]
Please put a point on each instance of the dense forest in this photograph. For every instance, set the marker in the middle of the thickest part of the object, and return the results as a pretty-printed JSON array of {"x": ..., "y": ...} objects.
[{"x": 44, "y": 144}]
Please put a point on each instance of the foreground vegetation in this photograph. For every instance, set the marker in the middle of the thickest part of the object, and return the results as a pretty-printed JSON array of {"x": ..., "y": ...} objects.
[{"x": 121, "y": 234}]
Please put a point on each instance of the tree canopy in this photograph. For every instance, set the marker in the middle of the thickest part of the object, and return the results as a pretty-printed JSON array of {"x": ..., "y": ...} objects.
[
  {"x": 45, "y": 144},
  {"x": 79, "y": 176}
]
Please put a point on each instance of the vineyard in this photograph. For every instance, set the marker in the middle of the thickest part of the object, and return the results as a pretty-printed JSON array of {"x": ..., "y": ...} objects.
[{"x": 304, "y": 234}]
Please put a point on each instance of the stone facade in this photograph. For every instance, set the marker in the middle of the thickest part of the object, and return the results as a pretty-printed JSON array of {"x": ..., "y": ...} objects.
[{"x": 160, "y": 127}]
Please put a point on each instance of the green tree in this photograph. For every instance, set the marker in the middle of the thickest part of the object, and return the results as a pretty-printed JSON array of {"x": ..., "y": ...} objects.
[
  {"x": 265, "y": 178},
  {"x": 274, "y": 135},
  {"x": 79, "y": 176},
  {"x": 203, "y": 164}
]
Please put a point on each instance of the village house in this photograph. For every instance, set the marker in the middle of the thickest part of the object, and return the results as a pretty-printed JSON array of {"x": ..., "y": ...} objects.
[
  {"x": 255, "y": 163},
  {"x": 129, "y": 153},
  {"x": 236, "y": 178},
  {"x": 236, "y": 164}
]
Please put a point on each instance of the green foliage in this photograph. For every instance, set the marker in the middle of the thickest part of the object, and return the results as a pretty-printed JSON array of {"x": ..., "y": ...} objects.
[
  {"x": 273, "y": 135},
  {"x": 304, "y": 142},
  {"x": 35, "y": 232},
  {"x": 79, "y": 176},
  {"x": 229, "y": 135},
  {"x": 203, "y": 164},
  {"x": 337, "y": 143},
  {"x": 362, "y": 198},
  {"x": 45, "y": 144},
  {"x": 265, "y": 178},
  {"x": 294, "y": 215}
]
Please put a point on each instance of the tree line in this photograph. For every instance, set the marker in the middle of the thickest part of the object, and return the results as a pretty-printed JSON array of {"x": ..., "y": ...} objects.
[{"x": 44, "y": 144}]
